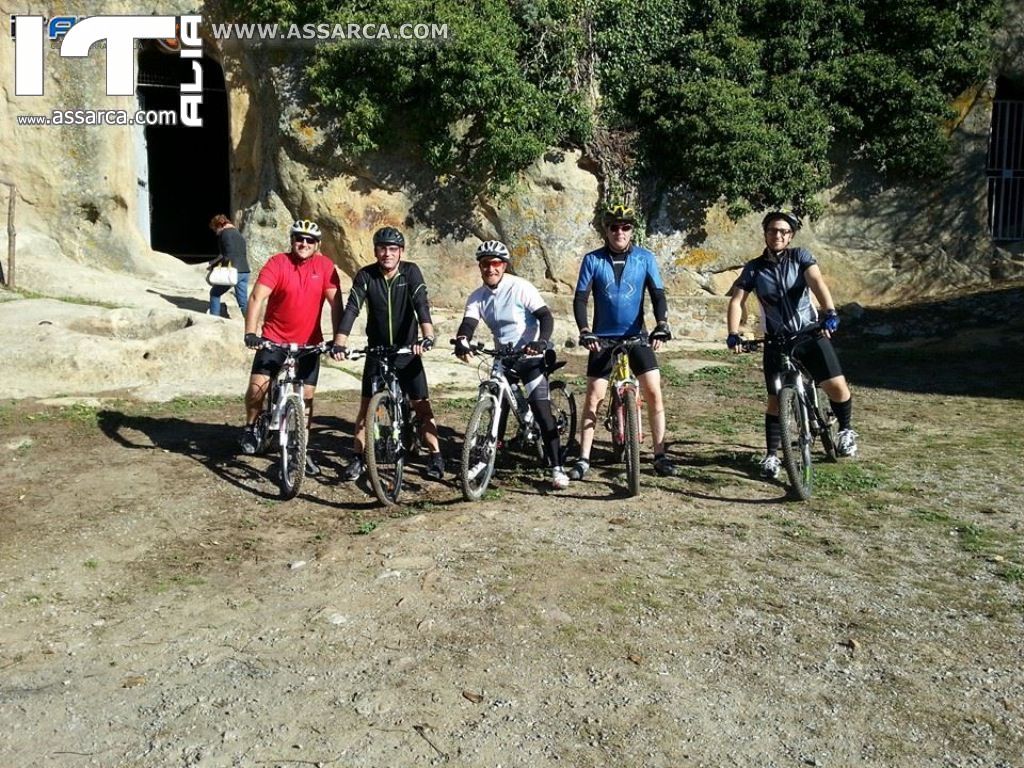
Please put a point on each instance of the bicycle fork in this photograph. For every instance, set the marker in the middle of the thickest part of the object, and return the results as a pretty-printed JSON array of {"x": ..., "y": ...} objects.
[
  {"x": 615, "y": 422},
  {"x": 486, "y": 392}
]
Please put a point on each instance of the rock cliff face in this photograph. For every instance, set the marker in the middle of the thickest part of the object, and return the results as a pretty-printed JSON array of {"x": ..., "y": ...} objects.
[{"x": 79, "y": 231}]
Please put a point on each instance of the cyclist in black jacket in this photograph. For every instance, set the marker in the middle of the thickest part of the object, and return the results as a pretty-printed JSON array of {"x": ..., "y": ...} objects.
[
  {"x": 396, "y": 299},
  {"x": 783, "y": 278}
]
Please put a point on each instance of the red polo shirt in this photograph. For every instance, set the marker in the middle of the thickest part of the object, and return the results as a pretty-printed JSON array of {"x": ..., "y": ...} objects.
[{"x": 297, "y": 292}]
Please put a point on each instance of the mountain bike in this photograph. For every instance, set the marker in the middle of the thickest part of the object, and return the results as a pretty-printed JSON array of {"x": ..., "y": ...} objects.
[
  {"x": 284, "y": 415},
  {"x": 503, "y": 390},
  {"x": 392, "y": 427},
  {"x": 623, "y": 418},
  {"x": 804, "y": 411}
]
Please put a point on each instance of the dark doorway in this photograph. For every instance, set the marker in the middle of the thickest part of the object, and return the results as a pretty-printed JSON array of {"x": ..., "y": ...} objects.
[
  {"x": 1006, "y": 162},
  {"x": 188, "y": 168}
]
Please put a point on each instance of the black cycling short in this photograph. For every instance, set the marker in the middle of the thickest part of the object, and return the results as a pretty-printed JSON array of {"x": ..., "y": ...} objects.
[
  {"x": 411, "y": 376},
  {"x": 818, "y": 356},
  {"x": 641, "y": 360},
  {"x": 267, "y": 362}
]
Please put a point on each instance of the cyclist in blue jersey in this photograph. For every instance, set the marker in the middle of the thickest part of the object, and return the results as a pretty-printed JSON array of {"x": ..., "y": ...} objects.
[
  {"x": 783, "y": 279},
  {"x": 617, "y": 275}
]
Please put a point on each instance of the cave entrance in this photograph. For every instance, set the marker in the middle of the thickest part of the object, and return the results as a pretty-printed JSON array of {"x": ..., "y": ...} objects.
[
  {"x": 1005, "y": 166},
  {"x": 183, "y": 172}
]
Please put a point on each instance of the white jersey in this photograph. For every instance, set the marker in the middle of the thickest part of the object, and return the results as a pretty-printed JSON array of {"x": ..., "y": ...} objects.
[{"x": 507, "y": 310}]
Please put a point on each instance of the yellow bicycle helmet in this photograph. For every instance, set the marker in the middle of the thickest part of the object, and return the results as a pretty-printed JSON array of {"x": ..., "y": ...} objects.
[{"x": 617, "y": 212}]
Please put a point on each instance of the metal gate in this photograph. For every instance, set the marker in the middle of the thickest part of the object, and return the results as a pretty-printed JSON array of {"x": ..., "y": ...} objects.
[{"x": 1005, "y": 169}]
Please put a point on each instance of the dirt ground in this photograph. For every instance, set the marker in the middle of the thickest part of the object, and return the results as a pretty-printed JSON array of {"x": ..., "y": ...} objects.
[{"x": 160, "y": 607}]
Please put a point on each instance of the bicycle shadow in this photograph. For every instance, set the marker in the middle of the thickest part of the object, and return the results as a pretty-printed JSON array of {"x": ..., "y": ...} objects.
[
  {"x": 215, "y": 447},
  {"x": 710, "y": 469},
  {"x": 416, "y": 489}
]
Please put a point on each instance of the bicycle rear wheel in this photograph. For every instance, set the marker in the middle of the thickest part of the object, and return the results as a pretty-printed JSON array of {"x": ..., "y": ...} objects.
[
  {"x": 632, "y": 446},
  {"x": 563, "y": 407},
  {"x": 796, "y": 441},
  {"x": 479, "y": 449},
  {"x": 264, "y": 420},
  {"x": 828, "y": 426},
  {"x": 292, "y": 446},
  {"x": 385, "y": 456}
]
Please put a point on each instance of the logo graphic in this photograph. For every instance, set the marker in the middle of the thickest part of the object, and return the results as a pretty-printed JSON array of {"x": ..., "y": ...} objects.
[{"x": 120, "y": 33}]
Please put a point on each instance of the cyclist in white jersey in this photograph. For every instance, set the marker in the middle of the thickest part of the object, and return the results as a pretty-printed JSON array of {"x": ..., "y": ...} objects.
[{"x": 517, "y": 316}]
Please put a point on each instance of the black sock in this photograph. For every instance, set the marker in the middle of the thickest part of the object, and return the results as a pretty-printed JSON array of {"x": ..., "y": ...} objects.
[
  {"x": 843, "y": 412},
  {"x": 772, "y": 433}
]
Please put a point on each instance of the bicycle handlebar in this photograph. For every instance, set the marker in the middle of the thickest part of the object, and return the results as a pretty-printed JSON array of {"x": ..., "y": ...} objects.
[
  {"x": 785, "y": 338},
  {"x": 299, "y": 350},
  {"x": 627, "y": 342},
  {"x": 505, "y": 353},
  {"x": 380, "y": 351}
]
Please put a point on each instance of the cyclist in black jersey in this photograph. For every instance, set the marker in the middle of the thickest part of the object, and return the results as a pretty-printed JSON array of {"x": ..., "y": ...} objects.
[
  {"x": 783, "y": 278},
  {"x": 397, "y": 305}
]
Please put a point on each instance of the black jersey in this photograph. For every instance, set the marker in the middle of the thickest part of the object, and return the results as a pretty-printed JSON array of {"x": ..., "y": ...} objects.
[
  {"x": 395, "y": 307},
  {"x": 780, "y": 285}
]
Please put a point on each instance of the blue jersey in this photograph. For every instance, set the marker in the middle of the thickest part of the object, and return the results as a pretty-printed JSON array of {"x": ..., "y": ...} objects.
[{"x": 619, "y": 304}]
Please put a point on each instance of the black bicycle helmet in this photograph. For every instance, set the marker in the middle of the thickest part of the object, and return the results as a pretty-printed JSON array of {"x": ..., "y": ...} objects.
[
  {"x": 388, "y": 236},
  {"x": 790, "y": 218}
]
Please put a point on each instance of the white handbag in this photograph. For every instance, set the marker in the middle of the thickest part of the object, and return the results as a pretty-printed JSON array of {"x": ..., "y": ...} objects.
[{"x": 222, "y": 276}]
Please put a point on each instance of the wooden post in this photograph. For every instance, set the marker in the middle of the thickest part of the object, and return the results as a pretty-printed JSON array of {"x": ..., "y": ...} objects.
[{"x": 11, "y": 231}]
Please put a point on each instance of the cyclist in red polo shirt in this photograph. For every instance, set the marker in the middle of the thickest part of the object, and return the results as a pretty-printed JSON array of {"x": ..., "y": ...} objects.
[{"x": 294, "y": 287}]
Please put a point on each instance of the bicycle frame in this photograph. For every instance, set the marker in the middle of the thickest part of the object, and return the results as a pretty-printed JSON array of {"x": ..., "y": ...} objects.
[
  {"x": 621, "y": 381},
  {"x": 793, "y": 373},
  {"x": 285, "y": 383},
  {"x": 284, "y": 412},
  {"x": 392, "y": 433},
  {"x": 802, "y": 416},
  {"x": 500, "y": 390},
  {"x": 387, "y": 380},
  {"x": 505, "y": 393}
]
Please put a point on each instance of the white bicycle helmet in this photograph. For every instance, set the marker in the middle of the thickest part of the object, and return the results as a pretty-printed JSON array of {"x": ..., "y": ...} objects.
[
  {"x": 494, "y": 249},
  {"x": 306, "y": 227}
]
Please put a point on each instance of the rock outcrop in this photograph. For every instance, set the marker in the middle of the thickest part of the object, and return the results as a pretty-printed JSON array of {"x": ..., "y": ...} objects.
[{"x": 78, "y": 232}]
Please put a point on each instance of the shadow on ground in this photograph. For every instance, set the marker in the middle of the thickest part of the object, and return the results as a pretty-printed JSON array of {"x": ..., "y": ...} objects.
[
  {"x": 189, "y": 303},
  {"x": 968, "y": 345},
  {"x": 215, "y": 447}
]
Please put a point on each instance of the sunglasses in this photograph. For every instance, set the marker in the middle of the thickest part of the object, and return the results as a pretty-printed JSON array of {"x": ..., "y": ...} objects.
[
  {"x": 490, "y": 263},
  {"x": 305, "y": 239},
  {"x": 776, "y": 231},
  {"x": 620, "y": 227}
]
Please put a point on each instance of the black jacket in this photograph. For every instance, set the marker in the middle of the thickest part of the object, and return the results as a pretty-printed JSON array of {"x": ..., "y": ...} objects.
[{"x": 395, "y": 307}]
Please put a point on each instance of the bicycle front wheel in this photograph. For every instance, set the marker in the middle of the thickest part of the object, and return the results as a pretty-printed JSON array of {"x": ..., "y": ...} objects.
[
  {"x": 796, "y": 441},
  {"x": 479, "y": 449},
  {"x": 632, "y": 447},
  {"x": 563, "y": 407},
  {"x": 292, "y": 436},
  {"x": 385, "y": 456}
]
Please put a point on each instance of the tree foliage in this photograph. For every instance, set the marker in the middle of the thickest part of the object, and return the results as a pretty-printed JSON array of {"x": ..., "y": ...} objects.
[{"x": 753, "y": 100}]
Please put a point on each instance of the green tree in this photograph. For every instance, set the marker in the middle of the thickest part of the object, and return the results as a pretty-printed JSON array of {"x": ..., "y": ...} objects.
[{"x": 750, "y": 100}]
